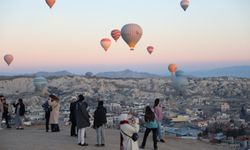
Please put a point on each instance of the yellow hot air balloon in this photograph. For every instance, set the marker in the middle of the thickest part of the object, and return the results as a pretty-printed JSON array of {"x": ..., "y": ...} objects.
[
  {"x": 105, "y": 43},
  {"x": 131, "y": 34},
  {"x": 8, "y": 59},
  {"x": 50, "y": 3}
]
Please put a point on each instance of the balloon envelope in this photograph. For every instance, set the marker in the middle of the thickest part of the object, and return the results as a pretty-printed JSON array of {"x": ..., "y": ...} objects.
[
  {"x": 131, "y": 34},
  {"x": 172, "y": 68},
  {"x": 8, "y": 58},
  {"x": 40, "y": 82},
  {"x": 150, "y": 49},
  {"x": 50, "y": 3},
  {"x": 179, "y": 73},
  {"x": 115, "y": 34},
  {"x": 105, "y": 43},
  {"x": 184, "y": 4},
  {"x": 180, "y": 83}
]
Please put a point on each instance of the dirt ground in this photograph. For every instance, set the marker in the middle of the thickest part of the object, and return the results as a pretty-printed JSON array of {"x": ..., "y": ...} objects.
[{"x": 35, "y": 138}]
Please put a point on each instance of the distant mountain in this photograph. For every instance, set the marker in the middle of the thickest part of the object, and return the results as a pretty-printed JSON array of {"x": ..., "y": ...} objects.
[
  {"x": 236, "y": 71},
  {"x": 126, "y": 74},
  {"x": 53, "y": 74}
]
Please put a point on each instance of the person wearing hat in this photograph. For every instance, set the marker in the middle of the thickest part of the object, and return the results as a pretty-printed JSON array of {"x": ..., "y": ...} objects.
[{"x": 127, "y": 129}]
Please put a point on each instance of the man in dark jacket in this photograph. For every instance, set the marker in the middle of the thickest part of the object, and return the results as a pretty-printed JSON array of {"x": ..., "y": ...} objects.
[
  {"x": 72, "y": 117},
  {"x": 47, "y": 110},
  {"x": 99, "y": 120},
  {"x": 6, "y": 114},
  {"x": 82, "y": 119}
]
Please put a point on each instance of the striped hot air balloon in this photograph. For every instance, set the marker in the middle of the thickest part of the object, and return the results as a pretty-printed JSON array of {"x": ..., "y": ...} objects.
[
  {"x": 50, "y": 3},
  {"x": 105, "y": 43},
  {"x": 131, "y": 34},
  {"x": 8, "y": 59},
  {"x": 116, "y": 34},
  {"x": 184, "y": 4},
  {"x": 150, "y": 49}
]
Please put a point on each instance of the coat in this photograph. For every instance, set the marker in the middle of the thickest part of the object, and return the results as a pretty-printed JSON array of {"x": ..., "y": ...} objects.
[
  {"x": 72, "y": 116},
  {"x": 82, "y": 115},
  {"x": 21, "y": 109},
  {"x": 54, "y": 114},
  {"x": 129, "y": 129},
  {"x": 100, "y": 116}
]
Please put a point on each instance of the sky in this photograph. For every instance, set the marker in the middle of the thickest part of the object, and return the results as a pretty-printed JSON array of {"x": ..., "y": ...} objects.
[{"x": 210, "y": 34}]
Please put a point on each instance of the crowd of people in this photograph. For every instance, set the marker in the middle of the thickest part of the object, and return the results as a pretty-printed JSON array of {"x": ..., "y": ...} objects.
[
  {"x": 80, "y": 121},
  {"x": 5, "y": 114}
]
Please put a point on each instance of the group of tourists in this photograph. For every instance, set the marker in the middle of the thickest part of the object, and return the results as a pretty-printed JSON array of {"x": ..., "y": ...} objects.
[
  {"x": 80, "y": 120},
  {"x": 5, "y": 112}
]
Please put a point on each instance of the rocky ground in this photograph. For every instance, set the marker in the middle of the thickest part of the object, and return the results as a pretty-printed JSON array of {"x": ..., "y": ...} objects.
[{"x": 35, "y": 138}]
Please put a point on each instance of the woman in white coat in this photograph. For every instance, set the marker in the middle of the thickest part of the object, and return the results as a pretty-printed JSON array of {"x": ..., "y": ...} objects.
[{"x": 127, "y": 129}]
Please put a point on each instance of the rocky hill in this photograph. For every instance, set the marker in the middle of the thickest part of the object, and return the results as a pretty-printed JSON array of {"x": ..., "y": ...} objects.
[{"x": 118, "y": 90}]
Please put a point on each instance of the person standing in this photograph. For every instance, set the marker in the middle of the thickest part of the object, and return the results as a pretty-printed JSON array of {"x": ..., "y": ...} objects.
[
  {"x": 151, "y": 125},
  {"x": 1, "y": 110},
  {"x": 47, "y": 110},
  {"x": 19, "y": 111},
  {"x": 54, "y": 114},
  {"x": 127, "y": 129},
  {"x": 99, "y": 120},
  {"x": 72, "y": 117},
  {"x": 6, "y": 114},
  {"x": 158, "y": 116},
  {"x": 82, "y": 119}
]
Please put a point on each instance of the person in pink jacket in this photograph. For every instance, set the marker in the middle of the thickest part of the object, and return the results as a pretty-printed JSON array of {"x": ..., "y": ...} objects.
[{"x": 159, "y": 116}]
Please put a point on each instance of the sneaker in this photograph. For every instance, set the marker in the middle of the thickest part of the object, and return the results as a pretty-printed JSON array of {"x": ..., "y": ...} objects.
[
  {"x": 85, "y": 144},
  {"x": 161, "y": 140},
  {"x": 102, "y": 144}
]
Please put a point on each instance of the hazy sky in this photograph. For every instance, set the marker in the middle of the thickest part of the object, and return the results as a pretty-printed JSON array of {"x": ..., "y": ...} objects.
[{"x": 210, "y": 34}]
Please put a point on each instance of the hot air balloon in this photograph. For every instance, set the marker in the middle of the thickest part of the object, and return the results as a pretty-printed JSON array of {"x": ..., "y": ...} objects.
[
  {"x": 150, "y": 49},
  {"x": 172, "y": 68},
  {"x": 131, "y": 34},
  {"x": 179, "y": 73},
  {"x": 180, "y": 84},
  {"x": 184, "y": 4},
  {"x": 116, "y": 34},
  {"x": 105, "y": 43},
  {"x": 50, "y": 3},
  {"x": 8, "y": 58},
  {"x": 40, "y": 83}
]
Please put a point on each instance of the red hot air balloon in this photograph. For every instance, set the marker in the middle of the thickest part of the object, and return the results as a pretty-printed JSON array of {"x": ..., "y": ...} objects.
[
  {"x": 50, "y": 3},
  {"x": 116, "y": 34},
  {"x": 150, "y": 49},
  {"x": 8, "y": 58},
  {"x": 172, "y": 68},
  {"x": 105, "y": 43}
]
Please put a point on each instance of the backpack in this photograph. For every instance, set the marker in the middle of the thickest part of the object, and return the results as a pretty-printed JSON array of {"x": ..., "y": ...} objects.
[{"x": 134, "y": 136}]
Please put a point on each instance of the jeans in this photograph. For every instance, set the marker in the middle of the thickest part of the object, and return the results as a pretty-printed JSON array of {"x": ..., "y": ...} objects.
[
  {"x": 73, "y": 128},
  {"x": 81, "y": 133},
  {"x": 154, "y": 130},
  {"x": 159, "y": 135},
  {"x": 47, "y": 115},
  {"x": 100, "y": 135}
]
